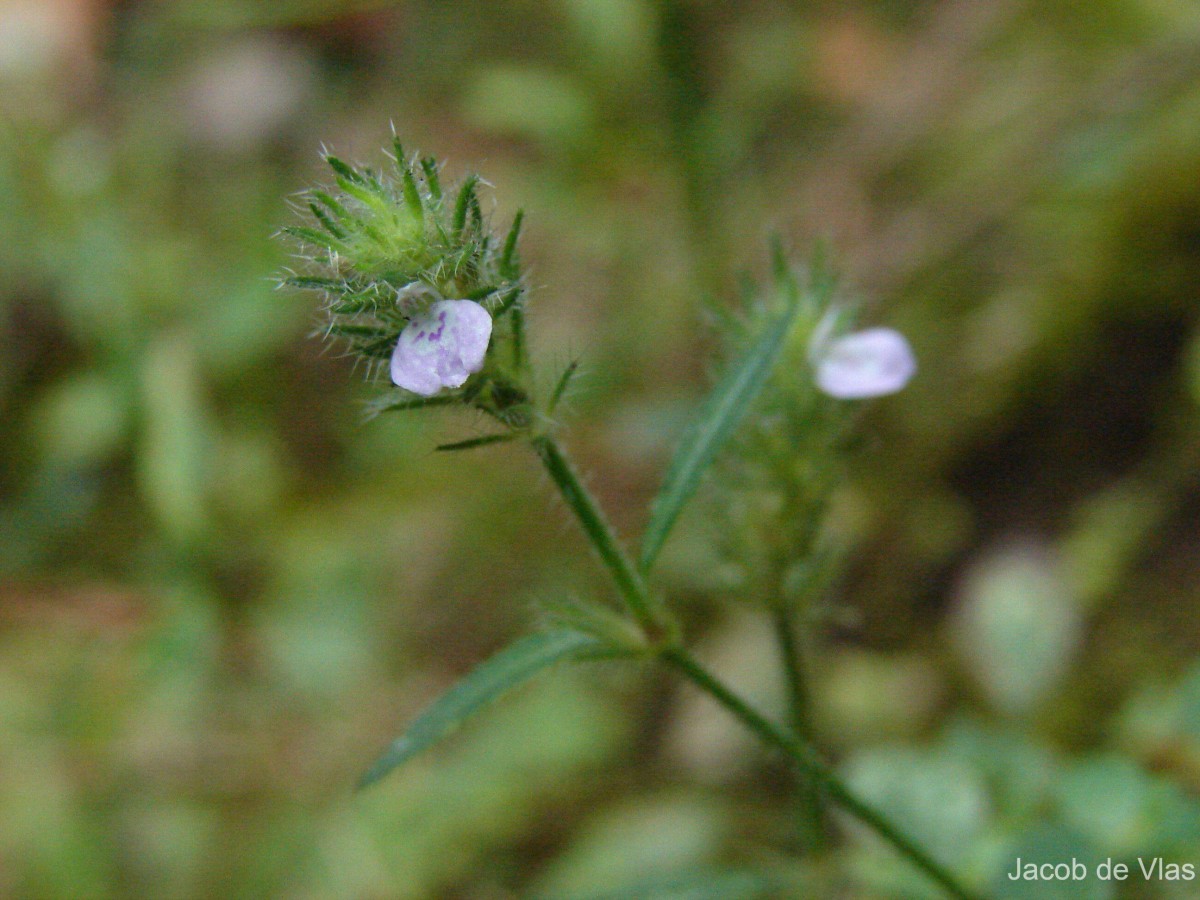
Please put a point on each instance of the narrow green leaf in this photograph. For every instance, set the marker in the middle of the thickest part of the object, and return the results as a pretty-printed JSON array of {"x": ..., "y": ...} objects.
[
  {"x": 561, "y": 388},
  {"x": 472, "y": 443},
  {"x": 719, "y": 416},
  {"x": 326, "y": 221},
  {"x": 345, "y": 171},
  {"x": 374, "y": 183},
  {"x": 412, "y": 197},
  {"x": 481, "y": 293},
  {"x": 352, "y": 330},
  {"x": 363, "y": 194},
  {"x": 313, "y": 236},
  {"x": 508, "y": 259},
  {"x": 518, "y": 337},
  {"x": 315, "y": 283},
  {"x": 465, "y": 195},
  {"x": 503, "y": 672},
  {"x": 332, "y": 205},
  {"x": 352, "y": 306},
  {"x": 477, "y": 218},
  {"x": 718, "y": 884},
  {"x": 432, "y": 178},
  {"x": 385, "y": 404}
]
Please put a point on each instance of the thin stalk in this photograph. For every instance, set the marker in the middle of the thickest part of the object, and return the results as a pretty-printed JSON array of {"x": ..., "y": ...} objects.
[
  {"x": 811, "y": 800},
  {"x": 817, "y": 771},
  {"x": 629, "y": 582},
  {"x": 653, "y": 621}
]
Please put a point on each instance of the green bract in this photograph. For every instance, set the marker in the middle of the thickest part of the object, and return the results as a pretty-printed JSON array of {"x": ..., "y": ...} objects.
[{"x": 384, "y": 246}]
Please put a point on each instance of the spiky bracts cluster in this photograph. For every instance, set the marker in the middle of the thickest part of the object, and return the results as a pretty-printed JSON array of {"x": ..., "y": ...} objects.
[
  {"x": 384, "y": 246},
  {"x": 781, "y": 467}
]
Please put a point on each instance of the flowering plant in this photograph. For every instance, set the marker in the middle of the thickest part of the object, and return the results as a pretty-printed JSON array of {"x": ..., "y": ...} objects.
[{"x": 412, "y": 277}]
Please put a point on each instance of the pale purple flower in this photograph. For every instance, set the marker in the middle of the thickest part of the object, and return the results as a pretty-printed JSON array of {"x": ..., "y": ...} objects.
[
  {"x": 441, "y": 347},
  {"x": 863, "y": 364}
]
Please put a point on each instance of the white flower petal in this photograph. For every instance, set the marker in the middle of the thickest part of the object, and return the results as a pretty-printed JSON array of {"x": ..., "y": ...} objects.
[
  {"x": 865, "y": 364},
  {"x": 442, "y": 347}
]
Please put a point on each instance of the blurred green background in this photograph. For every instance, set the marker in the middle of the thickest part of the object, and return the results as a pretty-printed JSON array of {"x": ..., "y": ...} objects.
[{"x": 221, "y": 593}]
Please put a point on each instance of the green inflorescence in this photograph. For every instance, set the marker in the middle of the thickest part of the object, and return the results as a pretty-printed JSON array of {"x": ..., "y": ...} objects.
[{"x": 382, "y": 246}]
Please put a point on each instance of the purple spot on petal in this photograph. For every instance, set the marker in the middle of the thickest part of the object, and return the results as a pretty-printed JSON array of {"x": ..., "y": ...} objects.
[{"x": 451, "y": 353}]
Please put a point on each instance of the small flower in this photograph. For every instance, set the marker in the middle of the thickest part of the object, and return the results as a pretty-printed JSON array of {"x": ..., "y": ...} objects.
[
  {"x": 864, "y": 364},
  {"x": 441, "y": 347}
]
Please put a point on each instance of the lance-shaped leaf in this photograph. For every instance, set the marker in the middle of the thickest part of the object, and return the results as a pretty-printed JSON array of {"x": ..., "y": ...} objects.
[
  {"x": 471, "y": 443},
  {"x": 720, "y": 415},
  {"x": 498, "y": 675},
  {"x": 398, "y": 402}
]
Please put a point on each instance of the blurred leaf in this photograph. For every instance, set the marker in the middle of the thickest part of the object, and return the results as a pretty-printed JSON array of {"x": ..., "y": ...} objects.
[
  {"x": 1108, "y": 534},
  {"x": 725, "y": 407},
  {"x": 242, "y": 14},
  {"x": 619, "y": 34},
  {"x": 716, "y": 884},
  {"x": 176, "y": 443},
  {"x": 500, "y": 674},
  {"x": 1126, "y": 810},
  {"x": 1019, "y": 772},
  {"x": 870, "y": 694},
  {"x": 1054, "y": 845},
  {"x": 644, "y": 841},
  {"x": 936, "y": 799},
  {"x": 1192, "y": 367},
  {"x": 1017, "y": 627},
  {"x": 536, "y": 104},
  {"x": 82, "y": 420}
]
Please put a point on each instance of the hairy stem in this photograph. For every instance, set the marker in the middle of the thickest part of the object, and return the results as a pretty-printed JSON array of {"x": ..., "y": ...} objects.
[
  {"x": 816, "y": 770},
  {"x": 628, "y": 581},
  {"x": 653, "y": 620}
]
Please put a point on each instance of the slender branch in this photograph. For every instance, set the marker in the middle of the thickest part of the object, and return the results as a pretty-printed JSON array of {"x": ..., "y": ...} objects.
[
  {"x": 652, "y": 618},
  {"x": 793, "y": 667},
  {"x": 811, "y": 800},
  {"x": 814, "y": 768},
  {"x": 629, "y": 582}
]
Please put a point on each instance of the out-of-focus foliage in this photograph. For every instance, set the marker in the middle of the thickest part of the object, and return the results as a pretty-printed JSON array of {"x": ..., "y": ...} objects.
[{"x": 221, "y": 594}]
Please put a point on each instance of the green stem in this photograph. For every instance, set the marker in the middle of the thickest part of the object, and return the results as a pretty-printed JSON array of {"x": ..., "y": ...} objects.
[
  {"x": 630, "y": 584},
  {"x": 797, "y": 687},
  {"x": 811, "y": 800},
  {"x": 817, "y": 771},
  {"x": 658, "y": 629}
]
